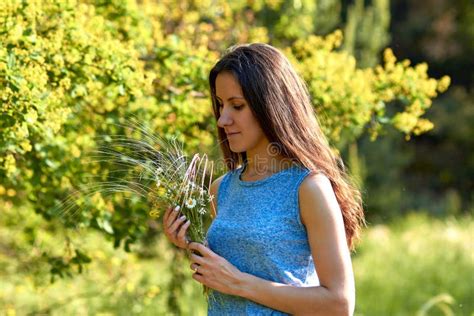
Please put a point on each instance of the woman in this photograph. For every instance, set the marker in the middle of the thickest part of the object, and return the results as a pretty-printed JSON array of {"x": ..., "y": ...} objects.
[{"x": 285, "y": 217}]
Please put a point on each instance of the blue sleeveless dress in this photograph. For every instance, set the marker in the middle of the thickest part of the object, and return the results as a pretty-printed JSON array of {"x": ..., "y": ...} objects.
[{"x": 258, "y": 229}]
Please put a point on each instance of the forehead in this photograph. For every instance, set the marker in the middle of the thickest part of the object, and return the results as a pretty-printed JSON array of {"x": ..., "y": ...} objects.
[{"x": 227, "y": 84}]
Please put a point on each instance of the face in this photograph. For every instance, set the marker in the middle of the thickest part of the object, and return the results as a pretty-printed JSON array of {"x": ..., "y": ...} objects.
[{"x": 236, "y": 118}]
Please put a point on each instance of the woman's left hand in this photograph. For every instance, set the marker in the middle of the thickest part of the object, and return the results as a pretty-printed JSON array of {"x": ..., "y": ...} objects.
[{"x": 214, "y": 271}]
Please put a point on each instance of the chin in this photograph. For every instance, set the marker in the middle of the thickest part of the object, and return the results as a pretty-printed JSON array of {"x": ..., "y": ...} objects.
[{"x": 237, "y": 150}]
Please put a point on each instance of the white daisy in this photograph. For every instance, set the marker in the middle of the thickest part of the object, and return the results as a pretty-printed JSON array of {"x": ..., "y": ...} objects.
[{"x": 190, "y": 203}]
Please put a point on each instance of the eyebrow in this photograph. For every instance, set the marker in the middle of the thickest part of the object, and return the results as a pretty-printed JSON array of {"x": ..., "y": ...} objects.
[{"x": 231, "y": 98}]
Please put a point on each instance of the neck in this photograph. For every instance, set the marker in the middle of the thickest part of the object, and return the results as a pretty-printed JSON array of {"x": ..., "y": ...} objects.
[{"x": 265, "y": 162}]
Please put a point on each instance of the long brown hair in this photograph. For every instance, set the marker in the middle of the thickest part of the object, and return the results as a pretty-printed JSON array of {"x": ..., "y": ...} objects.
[{"x": 280, "y": 101}]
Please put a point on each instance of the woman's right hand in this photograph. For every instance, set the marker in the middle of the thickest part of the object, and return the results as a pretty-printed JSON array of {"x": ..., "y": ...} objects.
[{"x": 175, "y": 227}]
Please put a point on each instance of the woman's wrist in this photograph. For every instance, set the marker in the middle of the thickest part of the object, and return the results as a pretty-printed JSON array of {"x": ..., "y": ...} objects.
[{"x": 245, "y": 285}]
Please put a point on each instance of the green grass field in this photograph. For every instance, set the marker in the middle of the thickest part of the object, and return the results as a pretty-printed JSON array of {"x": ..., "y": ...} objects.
[{"x": 415, "y": 266}]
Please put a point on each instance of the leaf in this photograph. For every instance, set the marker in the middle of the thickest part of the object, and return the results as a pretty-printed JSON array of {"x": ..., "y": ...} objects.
[
  {"x": 121, "y": 89},
  {"x": 105, "y": 225},
  {"x": 11, "y": 61}
]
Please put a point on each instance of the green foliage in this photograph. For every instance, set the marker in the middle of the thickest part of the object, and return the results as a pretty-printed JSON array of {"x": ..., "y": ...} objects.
[
  {"x": 432, "y": 172},
  {"x": 366, "y": 30},
  {"x": 297, "y": 22},
  {"x": 348, "y": 99},
  {"x": 71, "y": 71},
  {"x": 415, "y": 265},
  {"x": 115, "y": 282}
]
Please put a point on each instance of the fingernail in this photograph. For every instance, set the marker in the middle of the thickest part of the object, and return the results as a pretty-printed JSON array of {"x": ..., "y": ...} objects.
[
  {"x": 188, "y": 222},
  {"x": 182, "y": 218},
  {"x": 177, "y": 208}
]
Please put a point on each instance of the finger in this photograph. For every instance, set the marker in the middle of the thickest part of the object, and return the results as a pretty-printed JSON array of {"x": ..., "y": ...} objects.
[
  {"x": 198, "y": 277},
  {"x": 203, "y": 250},
  {"x": 197, "y": 259},
  {"x": 174, "y": 214},
  {"x": 174, "y": 227},
  {"x": 182, "y": 231},
  {"x": 167, "y": 213},
  {"x": 198, "y": 269},
  {"x": 171, "y": 229}
]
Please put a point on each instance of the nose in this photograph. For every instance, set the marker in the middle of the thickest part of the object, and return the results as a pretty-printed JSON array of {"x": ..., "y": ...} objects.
[{"x": 225, "y": 118}]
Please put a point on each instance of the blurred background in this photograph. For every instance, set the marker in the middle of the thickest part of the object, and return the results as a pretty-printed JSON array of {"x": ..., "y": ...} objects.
[{"x": 391, "y": 82}]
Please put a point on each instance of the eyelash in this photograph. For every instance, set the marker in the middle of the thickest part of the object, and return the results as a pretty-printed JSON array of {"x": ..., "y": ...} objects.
[{"x": 236, "y": 107}]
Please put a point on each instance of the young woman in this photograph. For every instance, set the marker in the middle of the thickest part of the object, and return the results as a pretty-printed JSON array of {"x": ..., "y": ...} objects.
[{"x": 285, "y": 216}]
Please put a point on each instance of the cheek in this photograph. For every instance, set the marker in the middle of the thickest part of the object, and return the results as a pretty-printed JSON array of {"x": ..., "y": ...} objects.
[
  {"x": 251, "y": 130},
  {"x": 250, "y": 122},
  {"x": 255, "y": 132}
]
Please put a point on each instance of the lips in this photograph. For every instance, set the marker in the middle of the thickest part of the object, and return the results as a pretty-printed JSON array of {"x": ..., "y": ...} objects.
[{"x": 231, "y": 134}]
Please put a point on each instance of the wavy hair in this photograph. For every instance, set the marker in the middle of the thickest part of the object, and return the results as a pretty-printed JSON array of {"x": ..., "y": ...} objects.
[{"x": 280, "y": 102}]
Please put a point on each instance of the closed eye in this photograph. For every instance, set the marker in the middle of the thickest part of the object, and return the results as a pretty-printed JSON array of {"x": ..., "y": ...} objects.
[{"x": 235, "y": 106}]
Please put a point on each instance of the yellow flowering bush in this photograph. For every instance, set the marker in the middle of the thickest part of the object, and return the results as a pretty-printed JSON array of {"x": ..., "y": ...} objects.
[{"x": 349, "y": 100}]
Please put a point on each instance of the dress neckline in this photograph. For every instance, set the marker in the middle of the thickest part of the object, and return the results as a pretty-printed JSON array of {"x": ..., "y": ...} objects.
[{"x": 264, "y": 180}]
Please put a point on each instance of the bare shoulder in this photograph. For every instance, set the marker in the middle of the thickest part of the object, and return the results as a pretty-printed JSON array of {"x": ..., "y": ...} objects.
[
  {"x": 316, "y": 186},
  {"x": 315, "y": 183},
  {"x": 317, "y": 199},
  {"x": 214, "y": 189}
]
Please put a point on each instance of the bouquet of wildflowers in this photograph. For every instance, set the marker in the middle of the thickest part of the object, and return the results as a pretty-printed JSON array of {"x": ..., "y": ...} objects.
[
  {"x": 158, "y": 170},
  {"x": 153, "y": 168},
  {"x": 148, "y": 166},
  {"x": 187, "y": 190}
]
